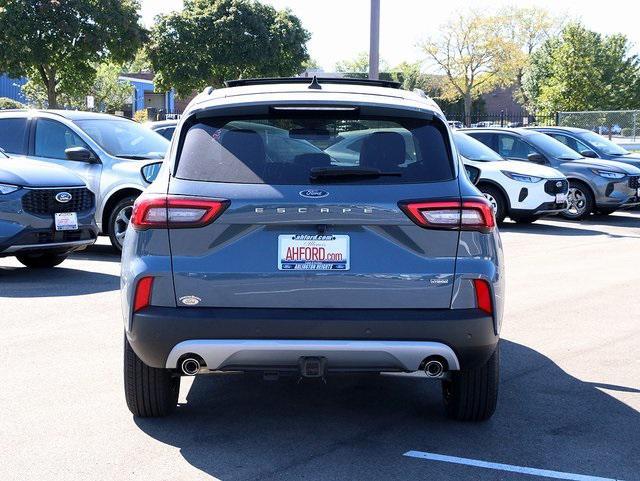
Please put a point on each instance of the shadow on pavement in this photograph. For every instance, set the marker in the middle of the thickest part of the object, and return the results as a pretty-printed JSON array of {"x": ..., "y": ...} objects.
[
  {"x": 240, "y": 427},
  {"x": 98, "y": 252},
  {"x": 56, "y": 282}
]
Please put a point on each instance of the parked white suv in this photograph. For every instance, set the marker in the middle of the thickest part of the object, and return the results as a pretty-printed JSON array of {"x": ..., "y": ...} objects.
[
  {"x": 116, "y": 157},
  {"x": 520, "y": 190}
]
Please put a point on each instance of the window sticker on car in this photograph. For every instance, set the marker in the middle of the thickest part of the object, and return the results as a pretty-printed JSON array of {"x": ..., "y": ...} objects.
[{"x": 313, "y": 252}]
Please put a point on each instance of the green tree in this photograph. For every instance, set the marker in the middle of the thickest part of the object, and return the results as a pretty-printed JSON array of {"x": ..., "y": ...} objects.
[
  {"x": 210, "y": 41},
  {"x": 359, "y": 64},
  {"x": 583, "y": 70},
  {"x": 59, "y": 42},
  {"x": 472, "y": 55},
  {"x": 109, "y": 92}
]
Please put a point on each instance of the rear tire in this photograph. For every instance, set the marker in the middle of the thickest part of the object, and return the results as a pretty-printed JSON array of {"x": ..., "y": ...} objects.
[
  {"x": 149, "y": 391},
  {"x": 497, "y": 201},
  {"x": 472, "y": 394},
  {"x": 41, "y": 261}
]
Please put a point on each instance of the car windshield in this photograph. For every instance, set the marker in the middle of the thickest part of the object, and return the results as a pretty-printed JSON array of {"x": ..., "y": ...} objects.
[
  {"x": 126, "y": 139},
  {"x": 473, "y": 149},
  {"x": 602, "y": 144},
  {"x": 552, "y": 147}
]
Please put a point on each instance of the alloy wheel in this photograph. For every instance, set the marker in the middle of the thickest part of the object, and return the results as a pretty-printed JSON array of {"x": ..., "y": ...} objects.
[
  {"x": 121, "y": 223},
  {"x": 492, "y": 201},
  {"x": 577, "y": 202}
]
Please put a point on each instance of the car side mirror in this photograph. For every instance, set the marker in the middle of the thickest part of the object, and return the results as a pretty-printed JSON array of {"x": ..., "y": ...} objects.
[
  {"x": 536, "y": 158},
  {"x": 79, "y": 154},
  {"x": 589, "y": 153}
]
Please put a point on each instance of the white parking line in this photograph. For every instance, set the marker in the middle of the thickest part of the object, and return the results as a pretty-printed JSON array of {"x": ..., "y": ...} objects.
[{"x": 505, "y": 467}]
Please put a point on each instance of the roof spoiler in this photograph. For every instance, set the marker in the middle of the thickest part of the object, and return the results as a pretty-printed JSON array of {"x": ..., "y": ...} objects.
[{"x": 314, "y": 83}]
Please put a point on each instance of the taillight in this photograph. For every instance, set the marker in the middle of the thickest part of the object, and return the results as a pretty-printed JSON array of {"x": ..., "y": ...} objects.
[
  {"x": 451, "y": 214},
  {"x": 483, "y": 295},
  {"x": 175, "y": 212},
  {"x": 142, "y": 297}
]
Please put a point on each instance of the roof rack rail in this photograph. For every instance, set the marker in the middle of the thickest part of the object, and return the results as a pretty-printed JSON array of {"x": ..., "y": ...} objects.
[{"x": 307, "y": 80}]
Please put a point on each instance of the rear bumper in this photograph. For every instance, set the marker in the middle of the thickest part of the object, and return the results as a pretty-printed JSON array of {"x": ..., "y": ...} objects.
[{"x": 351, "y": 339}]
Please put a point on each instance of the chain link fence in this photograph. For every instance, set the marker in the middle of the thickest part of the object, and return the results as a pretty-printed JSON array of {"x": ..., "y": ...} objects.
[
  {"x": 621, "y": 125},
  {"x": 502, "y": 119}
]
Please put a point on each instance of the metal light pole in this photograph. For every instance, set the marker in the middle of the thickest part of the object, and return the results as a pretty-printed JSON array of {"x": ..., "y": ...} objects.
[{"x": 374, "y": 40}]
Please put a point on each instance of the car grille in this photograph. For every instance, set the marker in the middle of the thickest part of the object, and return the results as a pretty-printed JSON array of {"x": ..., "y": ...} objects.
[
  {"x": 551, "y": 188},
  {"x": 634, "y": 182},
  {"x": 43, "y": 201}
]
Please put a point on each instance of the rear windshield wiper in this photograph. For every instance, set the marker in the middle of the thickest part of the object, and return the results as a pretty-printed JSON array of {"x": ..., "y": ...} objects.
[{"x": 344, "y": 172}]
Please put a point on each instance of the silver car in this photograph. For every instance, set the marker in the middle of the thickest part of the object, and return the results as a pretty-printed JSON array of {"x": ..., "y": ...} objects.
[{"x": 116, "y": 157}]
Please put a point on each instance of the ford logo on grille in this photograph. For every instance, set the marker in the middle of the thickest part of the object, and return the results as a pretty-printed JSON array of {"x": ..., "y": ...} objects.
[
  {"x": 313, "y": 193},
  {"x": 63, "y": 197},
  {"x": 559, "y": 184}
]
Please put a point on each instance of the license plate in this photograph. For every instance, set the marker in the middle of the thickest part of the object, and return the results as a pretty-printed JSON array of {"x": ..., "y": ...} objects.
[
  {"x": 313, "y": 252},
  {"x": 66, "y": 221},
  {"x": 561, "y": 198}
]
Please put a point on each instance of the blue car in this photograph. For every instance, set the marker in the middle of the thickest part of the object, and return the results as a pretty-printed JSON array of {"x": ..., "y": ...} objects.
[{"x": 46, "y": 212}]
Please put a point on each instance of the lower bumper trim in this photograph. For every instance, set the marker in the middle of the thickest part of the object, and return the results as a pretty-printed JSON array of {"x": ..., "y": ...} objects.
[
  {"x": 72, "y": 245},
  {"x": 269, "y": 354}
]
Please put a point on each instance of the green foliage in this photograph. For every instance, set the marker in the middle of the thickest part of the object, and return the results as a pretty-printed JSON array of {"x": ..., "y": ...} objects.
[
  {"x": 7, "y": 103},
  {"x": 359, "y": 64},
  {"x": 583, "y": 70},
  {"x": 58, "y": 43},
  {"x": 214, "y": 40},
  {"x": 109, "y": 93},
  {"x": 141, "y": 116}
]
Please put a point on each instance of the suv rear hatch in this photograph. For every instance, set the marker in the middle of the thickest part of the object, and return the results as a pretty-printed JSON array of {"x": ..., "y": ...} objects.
[{"x": 298, "y": 225}]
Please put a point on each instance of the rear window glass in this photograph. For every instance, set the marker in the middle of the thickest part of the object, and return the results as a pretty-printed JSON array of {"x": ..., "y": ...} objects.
[
  {"x": 12, "y": 135},
  {"x": 293, "y": 150}
]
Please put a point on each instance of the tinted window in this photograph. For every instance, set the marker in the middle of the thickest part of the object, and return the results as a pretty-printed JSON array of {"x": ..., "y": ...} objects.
[
  {"x": 571, "y": 143},
  {"x": 53, "y": 138},
  {"x": 124, "y": 138},
  {"x": 13, "y": 135},
  {"x": 166, "y": 132},
  {"x": 473, "y": 149},
  {"x": 484, "y": 137},
  {"x": 513, "y": 147},
  {"x": 552, "y": 147},
  {"x": 605, "y": 145},
  {"x": 285, "y": 150}
]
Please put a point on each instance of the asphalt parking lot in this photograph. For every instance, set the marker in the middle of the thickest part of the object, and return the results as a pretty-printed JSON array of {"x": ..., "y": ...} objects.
[{"x": 569, "y": 401}]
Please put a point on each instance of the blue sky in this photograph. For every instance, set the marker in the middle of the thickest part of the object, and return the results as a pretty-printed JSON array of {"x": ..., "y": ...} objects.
[{"x": 340, "y": 28}]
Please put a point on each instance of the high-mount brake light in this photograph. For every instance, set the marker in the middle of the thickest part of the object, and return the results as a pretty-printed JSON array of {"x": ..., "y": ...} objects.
[
  {"x": 451, "y": 214},
  {"x": 175, "y": 212}
]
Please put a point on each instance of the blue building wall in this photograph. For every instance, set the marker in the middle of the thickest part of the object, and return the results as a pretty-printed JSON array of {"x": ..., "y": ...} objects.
[
  {"x": 11, "y": 88},
  {"x": 140, "y": 87}
]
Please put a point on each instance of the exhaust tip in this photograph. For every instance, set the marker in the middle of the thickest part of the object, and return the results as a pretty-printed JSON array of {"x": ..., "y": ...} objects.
[
  {"x": 434, "y": 368},
  {"x": 190, "y": 366}
]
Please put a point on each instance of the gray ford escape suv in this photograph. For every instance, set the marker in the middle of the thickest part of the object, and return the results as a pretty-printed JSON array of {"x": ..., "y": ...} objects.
[{"x": 255, "y": 250}]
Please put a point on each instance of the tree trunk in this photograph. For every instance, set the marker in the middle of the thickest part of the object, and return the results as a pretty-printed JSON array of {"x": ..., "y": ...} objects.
[
  {"x": 467, "y": 110},
  {"x": 52, "y": 96},
  {"x": 48, "y": 77}
]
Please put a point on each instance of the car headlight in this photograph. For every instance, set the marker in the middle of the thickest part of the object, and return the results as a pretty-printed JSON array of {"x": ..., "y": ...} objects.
[
  {"x": 150, "y": 172},
  {"x": 607, "y": 174},
  {"x": 8, "y": 188},
  {"x": 530, "y": 179}
]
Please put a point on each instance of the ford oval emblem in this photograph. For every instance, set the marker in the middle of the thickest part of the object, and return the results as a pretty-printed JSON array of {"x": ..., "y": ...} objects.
[
  {"x": 63, "y": 197},
  {"x": 559, "y": 184},
  {"x": 314, "y": 194}
]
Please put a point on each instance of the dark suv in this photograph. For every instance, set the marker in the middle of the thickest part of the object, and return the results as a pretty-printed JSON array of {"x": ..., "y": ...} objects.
[{"x": 255, "y": 250}]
